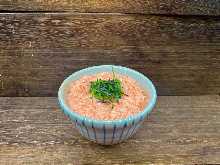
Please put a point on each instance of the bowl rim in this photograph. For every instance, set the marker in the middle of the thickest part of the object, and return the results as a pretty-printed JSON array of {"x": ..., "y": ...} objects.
[{"x": 100, "y": 123}]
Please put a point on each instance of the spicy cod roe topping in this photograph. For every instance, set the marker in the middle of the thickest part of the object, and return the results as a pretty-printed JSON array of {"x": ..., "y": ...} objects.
[{"x": 129, "y": 100}]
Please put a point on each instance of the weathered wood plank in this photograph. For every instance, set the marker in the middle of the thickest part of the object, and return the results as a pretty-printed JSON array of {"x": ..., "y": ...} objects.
[
  {"x": 180, "y": 7},
  {"x": 181, "y": 129},
  {"x": 181, "y": 55}
]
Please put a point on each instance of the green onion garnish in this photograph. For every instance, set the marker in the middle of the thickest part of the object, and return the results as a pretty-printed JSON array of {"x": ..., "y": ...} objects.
[{"x": 107, "y": 91}]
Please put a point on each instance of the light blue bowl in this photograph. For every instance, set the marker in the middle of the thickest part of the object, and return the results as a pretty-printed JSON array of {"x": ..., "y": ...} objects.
[{"x": 107, "y": 132}]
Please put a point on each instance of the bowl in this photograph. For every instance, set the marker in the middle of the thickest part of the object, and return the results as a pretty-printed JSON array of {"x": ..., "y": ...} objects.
[{"x": 102, "y": 131}]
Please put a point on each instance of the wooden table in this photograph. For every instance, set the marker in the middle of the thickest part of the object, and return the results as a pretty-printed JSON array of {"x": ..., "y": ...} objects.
[{"x": 175, "y": 43}]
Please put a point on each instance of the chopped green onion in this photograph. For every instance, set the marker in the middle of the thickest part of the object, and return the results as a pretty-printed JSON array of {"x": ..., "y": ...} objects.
[{"x": 108, "y": 91}]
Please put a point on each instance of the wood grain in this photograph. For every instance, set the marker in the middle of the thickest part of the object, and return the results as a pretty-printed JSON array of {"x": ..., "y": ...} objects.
[
  {"x": 181, "y": 130},
  {"x": 180, "y": 55},
  {"x": 180, "y": 7}
]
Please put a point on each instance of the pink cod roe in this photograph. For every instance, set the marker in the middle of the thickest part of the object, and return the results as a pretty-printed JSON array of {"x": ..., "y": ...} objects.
[{"x": 80, "y": 101}]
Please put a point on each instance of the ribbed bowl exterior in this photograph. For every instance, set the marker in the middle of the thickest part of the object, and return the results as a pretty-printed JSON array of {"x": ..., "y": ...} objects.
[{"x": 106, "y": 135}]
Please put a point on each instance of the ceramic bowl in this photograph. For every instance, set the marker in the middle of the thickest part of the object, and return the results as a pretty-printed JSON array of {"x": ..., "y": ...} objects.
[{"x": 107, "y": 132}]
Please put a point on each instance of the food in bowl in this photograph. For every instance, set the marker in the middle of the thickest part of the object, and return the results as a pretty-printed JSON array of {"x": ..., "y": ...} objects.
[
  {"x": 130, "y": 99},
  {"x": 113, "y": 114}
]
